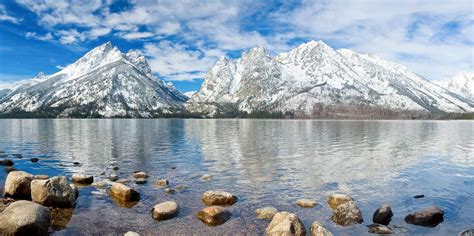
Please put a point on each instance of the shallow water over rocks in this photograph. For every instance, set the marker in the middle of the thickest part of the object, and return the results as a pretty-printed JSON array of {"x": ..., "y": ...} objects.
[{"x": 262, "y": 162}]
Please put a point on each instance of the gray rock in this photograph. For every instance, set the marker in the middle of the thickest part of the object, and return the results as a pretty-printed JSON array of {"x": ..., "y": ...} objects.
[
  {"x": 165, "y": 210},
  {"x": 266, "y": 212},
  {"x": 213, "y": 215},
  {"x": 383, "y": 215},
  {"x": 379, "y": 229},
  {"x": 347, "y": 214},
  {"x": 53, "y": 192},
  {"x": 428, "y": 217},
  {"x": 218, "y": 198},
  {"x": 18, "y": 185},
  {"x": 25, "y": 218},
  {"x": 317, "y": 229},
  {"x": 285, "y": 224}
]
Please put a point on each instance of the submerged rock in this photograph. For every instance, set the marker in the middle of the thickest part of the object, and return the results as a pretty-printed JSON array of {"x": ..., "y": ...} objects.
[
  {"x": 165, "y": 210},
  {"x": 18, "y": 185},
  {"x": 140, "y": 175},
  {"x": 6, "y": 162},
  {"x": 123, "y": 181},
  {"x": 169, "y": 191},
  {"x": 124, "y": 193},
  {"x": 383, "y": 215},
  {"x": 34, "y": 159},
  {"x": 214, "y": 215},
  {"x": 218, "y": 198},
  {"x": 113, "y": 177},
  {"x": 131, "y": 233},
  {"x": 317, "y": 229},
  {"x": 25, "y": 218},
  {"x": 469, "y": 232},
  {"x": 428, "y": 217},
  {"x": 266, "y": 212},
  {"x": 9, "y": 169},
  {"x": 82, "y": 179},
  {"x": 419, "y": 196},
  {"x": 76, "y": 163},
  {"x": 206, "y": 176},
  {"x": 162, "y": 182},
  {"x": 17, "y": 155},
  {"x": 140, "y": 181},
  {"x": 347, "y": 214},
  {"x": 53, "y": 192},
  {"x": 285, "y": 223},
  {"x": 379, "y": 229},
  {"x": 306, "y": 203},
  {"x": 337, "y": 199},
  {"x": 115, "y": 168}
]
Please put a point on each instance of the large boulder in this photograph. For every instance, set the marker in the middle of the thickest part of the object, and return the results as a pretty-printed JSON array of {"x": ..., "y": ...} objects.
[
  {"x": 82, "y": 179},
  {"x": 25, "y": 218},
  {"x": 17, "y": 185},
  {"x": 347, "y": 214},
  {"x": 124, "y": 193},
  {"x": 285, "y": 224},
  {"x": 317, "y": 229},
  {"x": 165, "y": 210},
  {"x": 383, "y": 215},
  {"x": 428, "y": 217},
  {"x": 220, "y": 198},
  {"x": 266, "y": 212},
  {"x": 214, "y": 215},
  {"x": 53, "y": 192},
  {"x": 334, "y": 200}
]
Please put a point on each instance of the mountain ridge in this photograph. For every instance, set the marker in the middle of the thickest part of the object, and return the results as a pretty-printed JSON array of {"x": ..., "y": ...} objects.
[{"x": 313, "y": 76}]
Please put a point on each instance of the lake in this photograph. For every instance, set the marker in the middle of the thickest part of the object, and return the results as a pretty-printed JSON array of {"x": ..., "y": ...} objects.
[{"x": 262, "y": 162}]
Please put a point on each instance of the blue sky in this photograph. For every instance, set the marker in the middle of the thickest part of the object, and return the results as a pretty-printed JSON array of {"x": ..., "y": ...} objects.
[{"x": 183, "y": 39}]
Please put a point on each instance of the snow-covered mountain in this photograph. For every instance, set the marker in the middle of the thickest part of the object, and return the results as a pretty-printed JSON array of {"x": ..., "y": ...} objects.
[
  {"x": 462, "y": 84},
  {"x": 314, "y": 80},
  {"x": 104, "y": 82}
]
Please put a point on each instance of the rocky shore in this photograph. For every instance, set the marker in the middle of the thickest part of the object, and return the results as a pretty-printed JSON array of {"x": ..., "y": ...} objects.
[{"x": 30, "y": 205}]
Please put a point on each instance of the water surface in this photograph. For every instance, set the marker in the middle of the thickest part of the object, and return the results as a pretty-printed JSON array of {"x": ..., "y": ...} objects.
[{"x": 263, "y": 162}]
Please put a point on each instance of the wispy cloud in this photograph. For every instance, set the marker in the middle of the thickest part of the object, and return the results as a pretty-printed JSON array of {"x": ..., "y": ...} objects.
[
  {"x": 4, "y": 16},
  {"x": 432, "y": 37}
]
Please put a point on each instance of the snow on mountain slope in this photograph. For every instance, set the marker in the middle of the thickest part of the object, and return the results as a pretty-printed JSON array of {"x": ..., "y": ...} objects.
[
  {"x": 105, "y": 82},
  {"x": 313, "y": 76},
  {"x": 462, "y": 84}
]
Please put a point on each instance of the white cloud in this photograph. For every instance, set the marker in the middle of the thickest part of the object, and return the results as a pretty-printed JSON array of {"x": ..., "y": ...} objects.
[
  {"x": 46, "y": 37},
  {"x": 4, "y": 16},
  {"x": 177, "y": 62},
  {"x": 411, "y": 32},
  {"x": 137, "y": 35}
]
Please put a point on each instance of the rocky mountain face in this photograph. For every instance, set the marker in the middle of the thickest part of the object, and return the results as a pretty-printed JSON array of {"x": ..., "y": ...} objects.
[
  {"x": 462, "y": 84},
  {"x": 103, "y": 83},
  {"x": 314, "y": 80}
]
